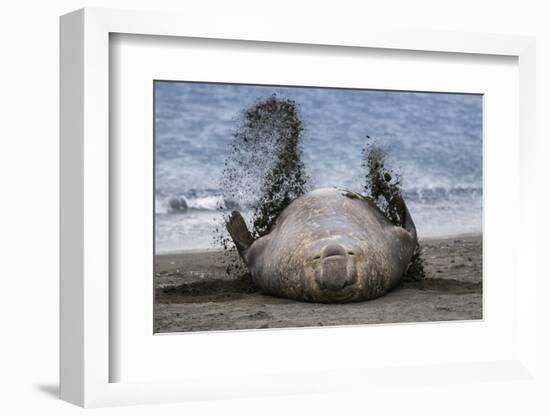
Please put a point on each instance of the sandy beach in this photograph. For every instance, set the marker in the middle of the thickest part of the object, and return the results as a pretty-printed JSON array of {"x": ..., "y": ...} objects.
[{"x": 193, "y": 293}]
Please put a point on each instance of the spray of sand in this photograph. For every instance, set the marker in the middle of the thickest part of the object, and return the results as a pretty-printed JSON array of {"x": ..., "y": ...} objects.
[
  {"x": 383, "y": 186},
  {"x": 263, "y": 171}
]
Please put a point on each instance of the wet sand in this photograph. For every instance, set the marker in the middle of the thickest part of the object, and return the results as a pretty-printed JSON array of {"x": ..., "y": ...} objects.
[{"x": 193, "y": 293}]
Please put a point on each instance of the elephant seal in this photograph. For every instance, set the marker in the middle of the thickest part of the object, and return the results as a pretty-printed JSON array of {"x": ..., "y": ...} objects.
[{"x": 329, "y": 246}]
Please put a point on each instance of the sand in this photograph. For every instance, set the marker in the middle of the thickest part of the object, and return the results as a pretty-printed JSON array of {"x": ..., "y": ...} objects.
[{"x": 193, "y": 293}]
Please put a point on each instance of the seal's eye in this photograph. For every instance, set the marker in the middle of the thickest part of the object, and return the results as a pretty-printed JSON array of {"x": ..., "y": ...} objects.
[
  {"x": 316, "y": 257},
  {"x": 351, "y": 253}
]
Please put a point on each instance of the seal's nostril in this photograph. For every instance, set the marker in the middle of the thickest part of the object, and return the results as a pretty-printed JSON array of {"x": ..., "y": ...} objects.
[{"x": 316, "y": 257}]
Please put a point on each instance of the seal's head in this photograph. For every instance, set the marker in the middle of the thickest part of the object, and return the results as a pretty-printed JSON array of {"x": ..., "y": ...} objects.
[{"x": 330, "y": 266}]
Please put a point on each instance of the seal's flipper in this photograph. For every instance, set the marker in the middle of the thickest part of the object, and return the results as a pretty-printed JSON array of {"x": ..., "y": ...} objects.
[
  {"x": 236, "y": 226},
  {"x": 415, "y": 269},
  {"x": 405, "y": 219}
]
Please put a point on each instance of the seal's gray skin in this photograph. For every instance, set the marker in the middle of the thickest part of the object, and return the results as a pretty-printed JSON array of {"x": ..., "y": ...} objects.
[{"x": 328, "y": 246}]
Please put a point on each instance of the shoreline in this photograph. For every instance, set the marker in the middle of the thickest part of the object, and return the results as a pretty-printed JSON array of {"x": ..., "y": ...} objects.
[{"x": 194, "y": 293}]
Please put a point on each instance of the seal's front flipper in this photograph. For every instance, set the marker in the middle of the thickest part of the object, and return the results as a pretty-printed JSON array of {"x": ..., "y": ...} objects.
[
  {"x": 236, "y": 226},
  {"x": 404, "y": 216},
  {"x": 415, "y": 269}
]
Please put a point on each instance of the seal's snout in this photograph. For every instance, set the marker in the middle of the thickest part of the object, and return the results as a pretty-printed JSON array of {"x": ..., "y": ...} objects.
[
  {"x": 335, "y": 270},
  {"x": 333, "y": 250}
]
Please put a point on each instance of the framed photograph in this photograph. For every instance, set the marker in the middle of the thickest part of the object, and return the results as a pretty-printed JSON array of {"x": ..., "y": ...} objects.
[
  {"x": 246, "y": 214},
  {"x": 343, "y": 196}
]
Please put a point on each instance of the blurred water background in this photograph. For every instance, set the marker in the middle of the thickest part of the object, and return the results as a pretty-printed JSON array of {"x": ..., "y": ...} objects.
[{"x": 434, "y": 140}]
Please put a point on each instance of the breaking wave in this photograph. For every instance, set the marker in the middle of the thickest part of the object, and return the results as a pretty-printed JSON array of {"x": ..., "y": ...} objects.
[
  {"x": 182, "y": 203},
  {"x": 212, "y": 200}
]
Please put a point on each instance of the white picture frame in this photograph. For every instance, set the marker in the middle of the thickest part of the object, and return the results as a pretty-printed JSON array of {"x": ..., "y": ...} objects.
[{"x": 86, "y": 301}]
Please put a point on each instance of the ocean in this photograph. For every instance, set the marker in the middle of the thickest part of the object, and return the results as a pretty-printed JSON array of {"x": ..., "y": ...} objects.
[{"x": 433, "y": 140}]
